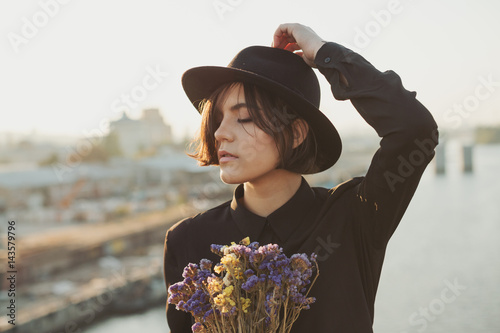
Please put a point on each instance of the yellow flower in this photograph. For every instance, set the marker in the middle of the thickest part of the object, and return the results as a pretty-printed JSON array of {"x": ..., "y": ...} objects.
[
  {"x": 219, "y": 268},
  {"x": 224, "y": 300},
  {"x": 229, "y": 260},
  {"x": 214, "y": 285},
  {"x": 245, "y": 303},
  {"x": 245, "y": 241},
  {"x": 219, "y": 300},
  {"x": 228, "y": 291},
  {"x": 238, "y": 274}
]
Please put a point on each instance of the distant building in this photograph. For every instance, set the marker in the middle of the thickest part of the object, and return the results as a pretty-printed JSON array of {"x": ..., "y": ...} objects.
[
  {"x": 135, "y": 136},
  {"x": 487, "y": 134}
]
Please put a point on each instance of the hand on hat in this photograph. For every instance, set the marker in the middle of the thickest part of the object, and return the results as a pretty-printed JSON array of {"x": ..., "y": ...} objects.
[{"x": 294, "y": 37}]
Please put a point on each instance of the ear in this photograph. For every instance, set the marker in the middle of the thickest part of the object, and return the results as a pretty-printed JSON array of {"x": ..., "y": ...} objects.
[{"x": 300, "y": 129}]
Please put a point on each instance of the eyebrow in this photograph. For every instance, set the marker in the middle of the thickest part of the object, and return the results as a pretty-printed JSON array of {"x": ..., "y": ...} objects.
[{"x": 238, "y": 106}]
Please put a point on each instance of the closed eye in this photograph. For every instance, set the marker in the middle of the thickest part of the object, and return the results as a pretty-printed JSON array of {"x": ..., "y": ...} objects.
[{"x": 246, "y": 120}]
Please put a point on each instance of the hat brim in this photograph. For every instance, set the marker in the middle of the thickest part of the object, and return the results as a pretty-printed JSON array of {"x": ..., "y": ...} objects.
[{"x": 200, "y": 82}]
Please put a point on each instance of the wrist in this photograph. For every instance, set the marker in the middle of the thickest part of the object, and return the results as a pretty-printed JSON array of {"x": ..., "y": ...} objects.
[{"x": 317, "y": 47}]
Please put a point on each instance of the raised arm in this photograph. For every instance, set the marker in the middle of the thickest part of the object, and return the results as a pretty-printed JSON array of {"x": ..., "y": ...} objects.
[{"x": 409, "y": 132}]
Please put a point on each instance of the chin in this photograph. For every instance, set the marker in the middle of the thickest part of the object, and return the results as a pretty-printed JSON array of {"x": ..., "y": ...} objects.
[
  {"x": 230, "y": 180},
  {"x": 232, "y": 176}
]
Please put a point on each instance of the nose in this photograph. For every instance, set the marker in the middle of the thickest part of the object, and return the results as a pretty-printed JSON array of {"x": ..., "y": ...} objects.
[{"x": 223, "y": 132}]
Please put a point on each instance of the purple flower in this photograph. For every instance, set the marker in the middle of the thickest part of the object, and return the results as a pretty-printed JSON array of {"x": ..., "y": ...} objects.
[
  {"x": 300, "y": 262},
  {"x": 254, "y": 245},
  {"x": 208, "y": 314},
  {"x": 205, "y": 264},
  {"x": 217, "y": 249},
  {"x": 203, "y": 275},
  {"x": 249, "y": 272},
  {"x": 198, "y": 328},
  {"x": 190, "y": 271},
  {"x": 250, "y": 283},
  {"x": 276, "y": 279},
  {"x": 241, "y": 250}
]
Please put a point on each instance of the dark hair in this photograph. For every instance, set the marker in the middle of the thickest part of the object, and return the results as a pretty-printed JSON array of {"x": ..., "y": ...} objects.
[{"x": 271, "y": 114}]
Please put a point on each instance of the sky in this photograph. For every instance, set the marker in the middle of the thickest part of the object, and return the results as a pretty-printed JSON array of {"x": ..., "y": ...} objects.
[{"x": 68, "y": 66}]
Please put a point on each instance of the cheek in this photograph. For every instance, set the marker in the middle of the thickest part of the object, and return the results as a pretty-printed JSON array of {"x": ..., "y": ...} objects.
[
  {"x": 265, "y": 142},
  {"x": 247, "y": 149},
  {"x": 258, "y": 145},
  {"x": 265, "y": 151},
  {"x": 265, "y": 139}
]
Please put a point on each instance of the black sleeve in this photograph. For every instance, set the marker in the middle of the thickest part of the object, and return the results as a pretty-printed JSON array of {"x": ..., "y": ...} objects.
[
  {"x": 178, "y": 321},
  {"x": 409, "y": 136}
]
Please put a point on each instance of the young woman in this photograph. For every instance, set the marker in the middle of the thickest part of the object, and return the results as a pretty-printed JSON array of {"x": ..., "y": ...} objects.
[{"x": 262, "y": 126}]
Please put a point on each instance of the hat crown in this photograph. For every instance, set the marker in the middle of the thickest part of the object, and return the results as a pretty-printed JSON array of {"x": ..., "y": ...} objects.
[{"x": 281, "y": 66}]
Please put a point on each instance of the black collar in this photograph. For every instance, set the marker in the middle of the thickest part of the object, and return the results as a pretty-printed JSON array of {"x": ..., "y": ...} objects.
[{"x": 283, "y": 221}]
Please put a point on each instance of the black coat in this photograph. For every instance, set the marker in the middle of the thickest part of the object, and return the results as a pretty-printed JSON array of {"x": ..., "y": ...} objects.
[{"x": 347, "y": 226}]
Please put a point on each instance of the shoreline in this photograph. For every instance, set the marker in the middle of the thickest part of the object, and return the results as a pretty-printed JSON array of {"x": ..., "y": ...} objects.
[{"x": 70, "y": 281}]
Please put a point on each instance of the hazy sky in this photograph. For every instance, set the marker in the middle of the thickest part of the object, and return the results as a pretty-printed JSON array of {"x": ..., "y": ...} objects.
[{"x": 67, "y": 65}]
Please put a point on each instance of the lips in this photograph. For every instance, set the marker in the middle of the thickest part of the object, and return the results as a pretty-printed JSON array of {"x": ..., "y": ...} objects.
[{"x": 225, "y": 156}]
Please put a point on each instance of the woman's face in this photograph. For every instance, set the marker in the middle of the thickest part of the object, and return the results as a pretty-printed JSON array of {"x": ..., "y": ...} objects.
[{"x": 246, "y": 153}]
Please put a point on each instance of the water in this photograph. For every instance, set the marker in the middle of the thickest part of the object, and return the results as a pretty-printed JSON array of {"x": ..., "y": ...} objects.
[
  {"x": 442, "y": 267},
  {"x": 151, "y": 321},
  {"x": 450, "y": 234}
]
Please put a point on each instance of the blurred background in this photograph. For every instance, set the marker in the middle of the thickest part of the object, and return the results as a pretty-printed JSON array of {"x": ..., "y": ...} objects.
[{"x": 94, "y": 128}]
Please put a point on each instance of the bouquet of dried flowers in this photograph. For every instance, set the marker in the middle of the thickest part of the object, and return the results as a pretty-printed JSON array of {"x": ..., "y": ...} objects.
[{"x": 254, "y": 289}]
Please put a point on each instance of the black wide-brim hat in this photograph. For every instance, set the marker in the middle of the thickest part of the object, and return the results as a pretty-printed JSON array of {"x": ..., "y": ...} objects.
[{"x": 281, "y": 72}]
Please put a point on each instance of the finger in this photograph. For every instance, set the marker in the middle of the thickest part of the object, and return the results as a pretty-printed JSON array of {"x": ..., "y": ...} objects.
[
  {"x": 278, "y": 42},
  {"x": 282, "y": 41},
  {"x": 292, "y": 47},
  {"x": 277, "y": 35},
  {"x": 285, "y": 41},
  {"x": 282, "y": 36},
  {"x": 277, "y": 38}
]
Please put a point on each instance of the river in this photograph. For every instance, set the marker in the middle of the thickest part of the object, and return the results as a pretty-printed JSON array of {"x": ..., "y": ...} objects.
[{"x": 442, "y": 268}]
